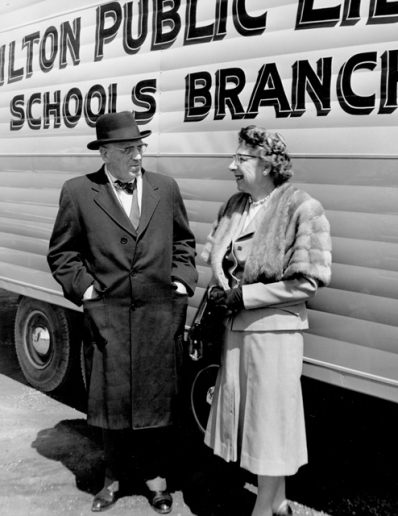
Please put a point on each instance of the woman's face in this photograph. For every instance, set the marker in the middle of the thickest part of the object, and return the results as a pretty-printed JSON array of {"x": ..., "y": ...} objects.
[{"x": 249, "y": 169}]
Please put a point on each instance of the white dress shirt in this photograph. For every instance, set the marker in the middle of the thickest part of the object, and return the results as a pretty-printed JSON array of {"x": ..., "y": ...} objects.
[{"x": 123, "y": 197}]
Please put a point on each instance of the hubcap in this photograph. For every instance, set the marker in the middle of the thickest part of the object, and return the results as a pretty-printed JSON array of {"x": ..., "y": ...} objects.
[
  {"x": 41, "y": 340},
  {"x": 37, "y": 340}
]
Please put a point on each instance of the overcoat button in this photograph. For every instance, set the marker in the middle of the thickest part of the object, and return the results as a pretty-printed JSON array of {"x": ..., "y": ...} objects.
[
  {"x": 133, "y": 273},
  {"x": 123, "y": 240},
  {"x": 239, "y": 248},
  {"x": 133, "y": 307}
]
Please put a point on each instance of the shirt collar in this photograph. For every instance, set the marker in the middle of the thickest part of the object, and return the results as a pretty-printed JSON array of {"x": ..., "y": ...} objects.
[{"x": 112, "y": 178}]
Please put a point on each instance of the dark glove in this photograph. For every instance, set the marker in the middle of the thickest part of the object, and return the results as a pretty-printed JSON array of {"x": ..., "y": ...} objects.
[
  {"x": 216, "y": 293},
  {"x": 232, "y": 301},
  {"x": 215, "y": 305}
]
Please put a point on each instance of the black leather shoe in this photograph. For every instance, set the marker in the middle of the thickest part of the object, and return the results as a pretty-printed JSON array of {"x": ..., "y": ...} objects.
[
  {"x": 161, "y": 501},
  {"x": 104, "y": 500}
]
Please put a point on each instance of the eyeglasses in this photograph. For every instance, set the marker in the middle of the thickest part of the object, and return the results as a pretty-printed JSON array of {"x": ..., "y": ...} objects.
[
  {"x": 241, "y": 158},
  {"x": 128, "y": 151}
]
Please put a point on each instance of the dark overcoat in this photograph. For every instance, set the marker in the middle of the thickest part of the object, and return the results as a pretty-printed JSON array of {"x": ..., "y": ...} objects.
[{"x": 137, "y": 322}]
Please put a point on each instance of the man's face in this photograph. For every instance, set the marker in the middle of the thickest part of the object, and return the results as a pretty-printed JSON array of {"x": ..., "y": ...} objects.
[{"x": 124, "y": 159}]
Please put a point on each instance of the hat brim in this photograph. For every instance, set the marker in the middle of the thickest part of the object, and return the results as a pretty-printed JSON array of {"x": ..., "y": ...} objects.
[{"x": 96, "y": 144}]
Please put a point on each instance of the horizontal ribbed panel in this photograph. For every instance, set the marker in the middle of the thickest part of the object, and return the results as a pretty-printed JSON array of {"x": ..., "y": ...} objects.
[
  {"x": 348, "y": 162},
  {"x": 279, "y": 45}
]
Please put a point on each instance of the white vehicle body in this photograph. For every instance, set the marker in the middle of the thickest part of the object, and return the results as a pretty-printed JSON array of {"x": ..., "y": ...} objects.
[{"x": 323, "y": 73}]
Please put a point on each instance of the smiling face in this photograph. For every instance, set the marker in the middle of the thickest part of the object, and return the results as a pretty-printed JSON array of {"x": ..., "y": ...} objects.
[
  {"x": 124, "y": 159},
  {"x": 251, "y": 172}
]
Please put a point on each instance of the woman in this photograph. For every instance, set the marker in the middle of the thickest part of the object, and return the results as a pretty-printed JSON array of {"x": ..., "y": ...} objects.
[{"x": 269, "y": 251}]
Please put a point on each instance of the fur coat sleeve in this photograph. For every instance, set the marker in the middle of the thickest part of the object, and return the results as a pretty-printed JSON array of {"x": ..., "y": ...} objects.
[{"x": 293, "y": 239}]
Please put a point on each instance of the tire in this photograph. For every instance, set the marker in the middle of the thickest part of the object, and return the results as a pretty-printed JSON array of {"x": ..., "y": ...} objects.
[
  {"x": 82, "y": 367},
  {"x": 47, "y": 348},
  {"x": 202, "y": 391}
]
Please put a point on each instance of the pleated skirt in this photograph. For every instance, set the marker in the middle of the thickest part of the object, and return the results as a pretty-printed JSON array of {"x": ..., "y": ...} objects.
[{"x": 257, "y": 415}]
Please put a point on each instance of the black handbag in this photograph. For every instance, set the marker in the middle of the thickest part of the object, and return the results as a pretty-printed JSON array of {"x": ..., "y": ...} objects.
[{"x": 206, "y": 333}]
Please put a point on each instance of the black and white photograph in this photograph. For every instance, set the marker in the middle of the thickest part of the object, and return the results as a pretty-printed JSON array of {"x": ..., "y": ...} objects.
[{"x": 199, "y": 257}]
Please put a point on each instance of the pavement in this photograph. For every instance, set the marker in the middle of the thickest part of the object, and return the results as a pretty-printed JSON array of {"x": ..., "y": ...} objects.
[
  {"x": 51, "y": 461},
  {"x": 51, "y": 464}
]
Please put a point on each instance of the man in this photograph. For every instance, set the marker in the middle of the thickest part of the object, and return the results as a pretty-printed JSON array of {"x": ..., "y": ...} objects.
[{"x": 122, "y": 247}]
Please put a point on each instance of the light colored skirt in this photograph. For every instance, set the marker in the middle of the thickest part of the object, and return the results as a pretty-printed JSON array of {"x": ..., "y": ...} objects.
[{"x": 257, "y": 411}]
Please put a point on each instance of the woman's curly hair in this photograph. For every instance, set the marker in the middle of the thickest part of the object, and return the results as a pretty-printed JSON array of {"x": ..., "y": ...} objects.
[{"x": 273, "y": 149}]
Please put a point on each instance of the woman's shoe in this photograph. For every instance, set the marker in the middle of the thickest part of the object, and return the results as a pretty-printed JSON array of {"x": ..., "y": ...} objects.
[
  {"x": 161, "y": 501},
  {"x": 284, "y": 510}
]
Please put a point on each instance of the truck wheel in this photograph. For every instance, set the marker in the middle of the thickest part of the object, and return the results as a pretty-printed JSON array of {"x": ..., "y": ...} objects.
[
  {"x": 202, "y": 391},
  {"x": 43, "y": 341},
  {"x": 83, "y": 367}
]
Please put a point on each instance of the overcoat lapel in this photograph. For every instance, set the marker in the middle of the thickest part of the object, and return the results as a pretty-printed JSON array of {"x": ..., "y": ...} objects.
[
  {"x": 107, "y": 201},
  {"x": 150, "y": 199}
]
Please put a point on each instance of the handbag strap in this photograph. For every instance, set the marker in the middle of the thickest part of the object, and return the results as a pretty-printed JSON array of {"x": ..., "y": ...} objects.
[{"x": 201, "y": 308}]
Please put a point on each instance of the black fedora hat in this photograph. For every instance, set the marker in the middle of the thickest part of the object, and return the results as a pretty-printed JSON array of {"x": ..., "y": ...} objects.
[{"x": 116, "y": 127}]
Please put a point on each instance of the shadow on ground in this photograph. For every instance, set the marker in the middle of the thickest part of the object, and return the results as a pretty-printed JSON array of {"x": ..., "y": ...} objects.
[
  {"x": 351, "y": 438},
  {"x": 209, "y": 486},
  {"x": 353, "y": 448},
  {"x": 78, "y": 447}
]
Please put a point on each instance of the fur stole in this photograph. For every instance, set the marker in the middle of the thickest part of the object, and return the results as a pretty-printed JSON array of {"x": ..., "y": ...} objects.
[{"x": 293, "y": 239}]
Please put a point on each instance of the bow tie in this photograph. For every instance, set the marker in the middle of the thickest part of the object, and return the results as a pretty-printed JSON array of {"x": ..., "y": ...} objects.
[{"x": 127, "y": 187}]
